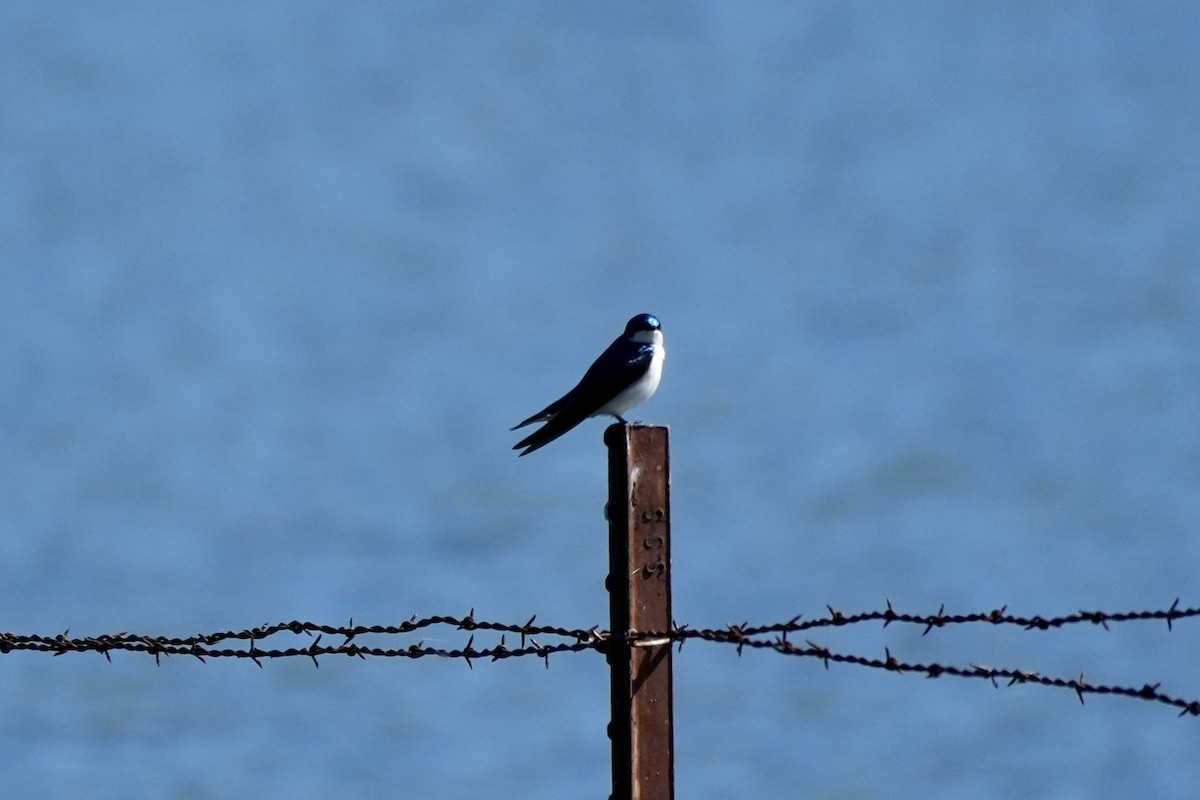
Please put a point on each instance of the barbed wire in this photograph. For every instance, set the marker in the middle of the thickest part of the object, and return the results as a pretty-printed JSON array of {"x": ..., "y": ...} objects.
[{"x": 771, "y": 637}]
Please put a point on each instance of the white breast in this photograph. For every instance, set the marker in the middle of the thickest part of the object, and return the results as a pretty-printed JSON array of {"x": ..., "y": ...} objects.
[{"x": 641, "y": 389}]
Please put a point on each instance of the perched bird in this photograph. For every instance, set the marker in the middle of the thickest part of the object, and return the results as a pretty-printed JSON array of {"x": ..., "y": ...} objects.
[{"x": 624, "y": 375}]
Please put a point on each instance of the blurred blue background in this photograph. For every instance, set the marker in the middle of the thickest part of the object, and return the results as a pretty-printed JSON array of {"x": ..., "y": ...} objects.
[{"x": 276, "y": 279}]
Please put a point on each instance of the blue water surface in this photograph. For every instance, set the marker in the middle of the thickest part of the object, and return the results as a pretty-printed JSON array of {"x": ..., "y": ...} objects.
[{"x": 275, "y": 280}]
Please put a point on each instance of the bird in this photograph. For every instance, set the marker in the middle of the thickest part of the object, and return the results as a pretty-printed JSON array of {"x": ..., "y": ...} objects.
[{"x": 625, "y": 374}]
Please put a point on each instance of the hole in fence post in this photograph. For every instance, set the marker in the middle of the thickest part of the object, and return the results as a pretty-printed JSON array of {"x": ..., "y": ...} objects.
[{"x": 639, "y": 584}]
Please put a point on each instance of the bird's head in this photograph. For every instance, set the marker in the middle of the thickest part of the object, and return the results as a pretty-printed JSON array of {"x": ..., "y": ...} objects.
[{"x": 642, "y": 322}]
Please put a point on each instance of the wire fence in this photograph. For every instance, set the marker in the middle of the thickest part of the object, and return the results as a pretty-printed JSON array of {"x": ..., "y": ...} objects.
[{"x": 543, "y": 641}]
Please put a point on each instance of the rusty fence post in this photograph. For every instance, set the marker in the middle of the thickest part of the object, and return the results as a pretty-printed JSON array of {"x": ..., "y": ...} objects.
[{"x": 639, "y": 585}]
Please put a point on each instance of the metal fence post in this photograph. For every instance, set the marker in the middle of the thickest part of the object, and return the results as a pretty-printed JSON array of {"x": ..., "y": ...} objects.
[{"x": 639, "y": 584}]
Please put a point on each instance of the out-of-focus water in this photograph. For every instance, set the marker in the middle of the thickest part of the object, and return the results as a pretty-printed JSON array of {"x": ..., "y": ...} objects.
[{"x": 275, "y": 281}]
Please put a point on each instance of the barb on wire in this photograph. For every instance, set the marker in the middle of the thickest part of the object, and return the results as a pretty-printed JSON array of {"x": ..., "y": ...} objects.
[{"x": 772, "y": 637}]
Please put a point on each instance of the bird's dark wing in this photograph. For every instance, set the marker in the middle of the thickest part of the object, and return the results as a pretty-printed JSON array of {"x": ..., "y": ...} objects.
[
  {"x": 616, "y": 368},
  {"x": 547, "y": 412},
  {"x": 555, "y": 427}
]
